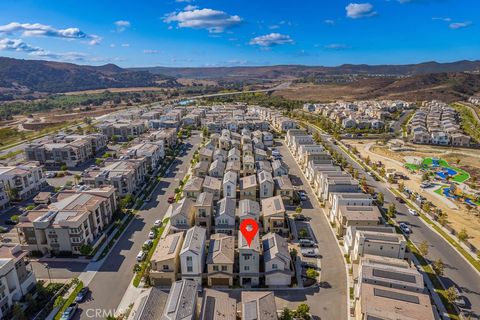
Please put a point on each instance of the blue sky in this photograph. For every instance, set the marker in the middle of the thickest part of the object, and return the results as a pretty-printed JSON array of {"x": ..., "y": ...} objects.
[{"x": 240, "y": 32}]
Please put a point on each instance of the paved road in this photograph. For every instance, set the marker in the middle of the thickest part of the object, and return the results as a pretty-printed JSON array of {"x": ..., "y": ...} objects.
[
  {"x": 114, "y": 276},
  {"x": 397, "y": 127},
  {"x": 457, "y": 271},
  {"x": 329, "y": 302}
]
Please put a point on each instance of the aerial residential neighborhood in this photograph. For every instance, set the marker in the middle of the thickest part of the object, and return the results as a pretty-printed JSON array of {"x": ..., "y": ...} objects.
[{"x": 239, "y": 160}]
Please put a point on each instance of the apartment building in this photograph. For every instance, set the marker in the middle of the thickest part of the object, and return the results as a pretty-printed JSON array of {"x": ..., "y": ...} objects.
[
  {"x": 16, "y": 277},
  {"x": 165, "y": 261},
  {"x": 153, "y": 152},
  {"x": 126, "y": 176},
  {"x": 192, "y": 255},
  {"x": 391, "y": 245},
  {"x": 277, "y": 261},
  {"x": 22, "y": 181},
  {"x": 356, "y": 216},
  {"x": 65, "y": 150},
  {"x": 75, "y": 218},
  {"x": 355, "y": 199},
  {"x": 182, "y": 301},
  {"x": 220, "y": 260},
  {"x": 123, "y": 130}
]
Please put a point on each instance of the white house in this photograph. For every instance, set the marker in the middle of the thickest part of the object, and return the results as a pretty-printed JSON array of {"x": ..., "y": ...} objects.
[
  {"x": 192, "y": 255},
  {"x": 277, "y": 260}
]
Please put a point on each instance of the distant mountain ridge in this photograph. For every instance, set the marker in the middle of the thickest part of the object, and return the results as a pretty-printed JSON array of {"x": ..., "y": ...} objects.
[
  {"x": 280, "y": 72},
  {"x": 57, "y": 77}
]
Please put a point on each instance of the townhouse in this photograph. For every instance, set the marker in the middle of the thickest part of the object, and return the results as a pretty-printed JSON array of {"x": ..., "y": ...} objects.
[
  {"x": 182, "y": 301},
  {"x": 165, "y": 261},
  {"x": 192, "y": 255},
  {"x": 182, "y": 215},
  {"x": 273, "y": 211},
  {"x": 225, "y": 216},
  {"x": 277, "y": 260},
  {"x": 220, "y": 260},
  {"x": 249, "y": 261}
]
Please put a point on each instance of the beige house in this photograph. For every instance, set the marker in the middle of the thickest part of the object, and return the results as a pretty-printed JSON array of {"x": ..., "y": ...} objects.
[
  {"x": 248, "y": 165},
  {"x": 284, "y": 188},
  {"x": 181, "y": 214},
  {"x": 213, "y": 186},
  {"x": 356, "y": 216},
  {"x": 193, "y": 188},
  {"x": 248, "y": 187},
  {"x": 392, "y": 245},
  {"x": 277, "y": 260},
  {"x": 249, "y": 209},
  {"x": 217, "y": 305},
  {"x": 274, "y": 215},
  {"x": 201, "y": 169},
  {"x": 266, "y": 184},
  {"x": 234, "y": 166},
  {"x": 258, "y": 305},
  {"x": 220, "y": 259},
  {"x": 204, "y": 211},
  {"x": 205, "y": 155},
  {"x": 165, "y": 262}
]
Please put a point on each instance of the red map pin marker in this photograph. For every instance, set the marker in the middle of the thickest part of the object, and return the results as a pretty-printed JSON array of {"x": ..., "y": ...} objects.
[{"x": 249, "y": 229}]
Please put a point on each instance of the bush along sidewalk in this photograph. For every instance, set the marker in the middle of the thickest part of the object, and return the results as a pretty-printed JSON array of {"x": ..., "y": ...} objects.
[
  {"x": 141, "y": 269},
  {"x": 71, "y": 298}
]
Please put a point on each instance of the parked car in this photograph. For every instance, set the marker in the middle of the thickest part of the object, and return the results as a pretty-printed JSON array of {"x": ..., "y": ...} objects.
[
  {"x": 171, "y": 199},
  {"x": 309, "y": 265},
  {"x": 460, "y": 300},
  {"x": 405, "y": 229},
  {"x": 158, "y": 223},
  {"x": 309, "y": 253},
  {"x": 82, "y": 294},
  {"x": 301, "y": 217},
  {"x": 400, "y": 199},
  {"x": 148, "y": 199},
  {"x": 69, "y": 312},
  {"x": 412, "y": 212},
  {"x": 148, "y": 243},
  {"x": 140, "y": 256},
  {"x": 306, "y": 243},
  {"x": 151, "y": 235}
]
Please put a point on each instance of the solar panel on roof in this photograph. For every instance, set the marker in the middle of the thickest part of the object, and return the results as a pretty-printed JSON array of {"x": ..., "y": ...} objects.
[
  {"x": 396, "y": 296},
  {"x": 175, "y": 294},
  {"x": 174, "y": 245},
  {"x": 394, "y": 275},
  {"x": 251, "y": 310},
  {"x": 276, "y": 203}
]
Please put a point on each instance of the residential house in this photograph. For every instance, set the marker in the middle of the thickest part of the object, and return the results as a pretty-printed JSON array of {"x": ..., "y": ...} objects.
[
  {"x": 213, "y": 186},
  {"x": 279, "y": 168},
  {"x": 260, "y": 154},
  {"x": 204, "y": 211},
  {"x": 258, "y": 305},
  {"x": 205, "y": 155},
  {"x": 229, "y": 185},
  {"x": 356, "y": 216},
  {"x": 193, "y": 187},
  {"x": 277, "y": 260},
  {"x": 274, "y": 215},
  {"x": 249, "y": 261},
  {"x": 284, "y": 188},
  {"x": 220, "y": 155},
  {"x": 234, "y": 166},
  {"x": 392, "y": 245},
  {"x": 355, "y": 199},
  {"x": 248, "y": 165},
  {"x": 234, "y": 155},
  {"x": 181, "y": 215},
  {"x": 248, "y": 209},
  {"x": 266, "y": 184},
  {"x": 220, "y": 259},
  {"x": 182, "y": 301},
  {"x": 225, "y": 216},
  {"x": 192, "y": 255},
  {"x": 200, "y": 169},
  {"x": 217, "y": 305},
  {"x": 217, "y": 168},
  {"x": 165, "y": 261},
  {"x": 248, "y": 187}
]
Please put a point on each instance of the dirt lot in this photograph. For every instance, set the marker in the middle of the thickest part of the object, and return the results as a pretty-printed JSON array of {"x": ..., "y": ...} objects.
[{"x": 459, "y": 217}]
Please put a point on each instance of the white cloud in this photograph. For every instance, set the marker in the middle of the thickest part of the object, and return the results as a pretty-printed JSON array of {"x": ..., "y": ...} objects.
[
  {"x": 336, "y": 46},
  {"x": 329, "y": 21},
  {"x": 360, "y": 10},
  {"x": 125, "y": 45},
  {"x": 184, "y": 1},
  {"x": 41, "y": 30},
  {"x": 272, "y": 39},
  {"x": 17, "y": 45},
  {"x": 273, "y": 27},
  {"x": 446, "y": 19},
  {"x": 190, "y": 8},
  {"x": 122, "y": 25},
  {"x": 150, "y": 51},
  {"x": 214, "y": 21},
  {"x": 460, "y": 25}
]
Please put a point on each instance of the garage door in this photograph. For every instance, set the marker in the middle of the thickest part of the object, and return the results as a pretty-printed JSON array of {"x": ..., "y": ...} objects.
[
  {"x": 162, "y": 282},
  {"x": 220, "y": 282}
]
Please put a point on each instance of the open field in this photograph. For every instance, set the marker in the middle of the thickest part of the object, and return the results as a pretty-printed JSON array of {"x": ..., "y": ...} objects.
[
  {"x": 458, "y": 215},
  {"x": 133, "y": 89}
]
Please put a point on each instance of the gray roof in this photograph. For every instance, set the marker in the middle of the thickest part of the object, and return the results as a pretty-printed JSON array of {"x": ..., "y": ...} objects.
[
  {"x": 275, "y": 246},
  {"x": 226, "y": 206},
  {"x": 221, "y": 249},
  {"x": 151, "y": 307},
  {"x": 217, "y": 305},
  {"x": 247, "y": 207},
  {"x": 258, "y": 305},
  {"x": 230, "y": 176},
  {"x": 204, "y": 199},
  {"x": 182, "y": 301},
  {"x": 194, "y": 240}
]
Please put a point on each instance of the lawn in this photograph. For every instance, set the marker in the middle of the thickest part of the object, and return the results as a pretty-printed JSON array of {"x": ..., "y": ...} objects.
[
  {"x": 461, "y": 175},
  {"x": 411, "y": 166}
]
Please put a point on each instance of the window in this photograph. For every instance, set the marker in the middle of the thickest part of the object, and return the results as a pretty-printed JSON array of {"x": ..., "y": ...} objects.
[
  {"x": 246, "y": 268},
  {"x": 215, "y": 268},
  {"x": 189, "y": 259},
  {"x": 274, "y": 266},
  {"x": 189, "y": 269},
  {"x": 247, "y": 256},
  {"x": 224, "y": 268},
  {"x": 165, "y": 267}
]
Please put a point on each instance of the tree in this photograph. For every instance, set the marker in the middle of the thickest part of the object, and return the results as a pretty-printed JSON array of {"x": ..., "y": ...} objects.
[
  {"x": 423, "y": 248},
  {"x": 303, "y": 233},
  {"x": 380, "y": 199},
  {"x": 443, "y": 219},
  {"x": 391, "y": 179},
  {"x": 367, "y": 161},
  {"x": 401, "y": 186},
  {"x": 462, "y": 235},
  {"x": 298, "y": 209},
  {"x": 85, "y": 249},
  {"x": 426, "y": 206},
  {"x": 17, "y": 312},
  {"x": 439, "y": 267},
  {"x": 451, "y": 294},
  {"x": 302, "y": 311},
  {"x": 311, "y": 273},
  {"x": 63, "y": 167},
  {"x": 286, "y": 314},
  {"x": 425, "y": 176},
  {"x": 392, "y": 210}
]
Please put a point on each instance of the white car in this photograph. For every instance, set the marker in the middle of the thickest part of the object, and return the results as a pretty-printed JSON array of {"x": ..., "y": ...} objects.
[
  {"x": 309, "y": 253},
  {"x": 151, "y": 235},
  {"x": 158, "y": 223},
  {"x": 412, "y": 212},
  {"x": 148, "y": 243},
  {"x": 140, "y": 256},
  {"x": 405, "y": 229}
]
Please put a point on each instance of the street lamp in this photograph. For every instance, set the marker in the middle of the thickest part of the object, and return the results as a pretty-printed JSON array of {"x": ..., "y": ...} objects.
[{"x": 48, "y": 271}]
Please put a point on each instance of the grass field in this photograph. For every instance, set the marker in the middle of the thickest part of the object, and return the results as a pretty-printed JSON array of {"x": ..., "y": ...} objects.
[{"x": 460, "y": 177}]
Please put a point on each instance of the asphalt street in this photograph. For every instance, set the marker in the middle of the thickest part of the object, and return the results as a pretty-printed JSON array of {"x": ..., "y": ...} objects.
[
  {"x": 114, "y": 276},
  {"x": 458, "y": 271}
]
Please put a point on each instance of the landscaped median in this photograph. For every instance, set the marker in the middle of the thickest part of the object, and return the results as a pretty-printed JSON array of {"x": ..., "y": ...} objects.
[
  {"x": 140, "y": 269},
  {"x": 71, "y": 298}
]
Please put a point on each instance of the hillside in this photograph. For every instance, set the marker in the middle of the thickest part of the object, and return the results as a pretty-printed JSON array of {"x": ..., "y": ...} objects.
[
  {"x": 283, "y": 72},
  {"x": 447, "y": 87},
  {"x": 28, "y": 76}
]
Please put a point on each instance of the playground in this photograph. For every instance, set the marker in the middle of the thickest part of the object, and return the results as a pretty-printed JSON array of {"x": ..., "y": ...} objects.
[{"x": 442, "y": 169}]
